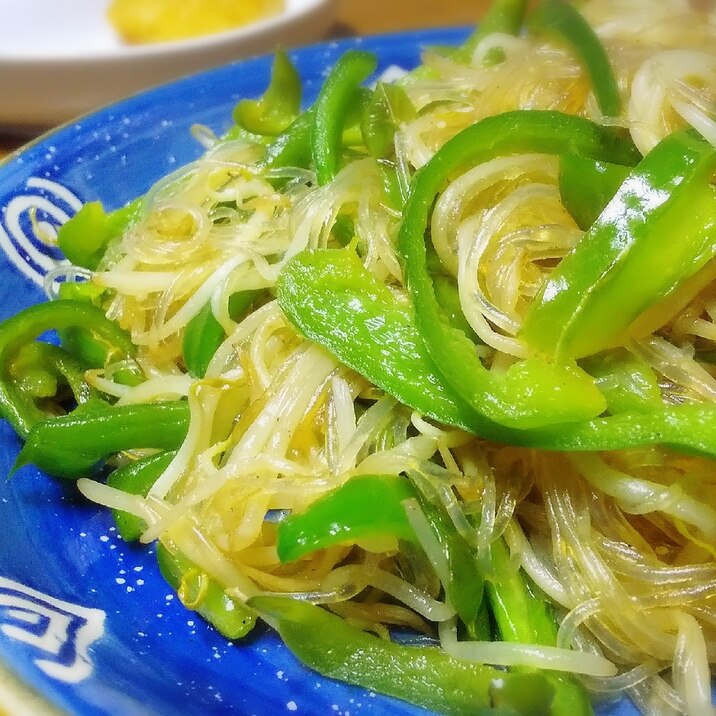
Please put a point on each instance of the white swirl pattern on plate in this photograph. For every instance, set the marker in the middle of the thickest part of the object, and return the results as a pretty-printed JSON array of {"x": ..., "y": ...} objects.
[
  {"x": 40, "y": 210},
  {"x": 61, "y": 632}
]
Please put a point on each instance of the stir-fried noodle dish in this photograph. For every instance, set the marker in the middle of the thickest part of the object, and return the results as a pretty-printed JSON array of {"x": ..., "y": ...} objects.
[{"x": 422, "y": 375}]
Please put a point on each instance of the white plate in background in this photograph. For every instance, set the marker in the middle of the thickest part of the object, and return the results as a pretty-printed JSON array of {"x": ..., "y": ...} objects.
[{"x": 62, "y": 58}]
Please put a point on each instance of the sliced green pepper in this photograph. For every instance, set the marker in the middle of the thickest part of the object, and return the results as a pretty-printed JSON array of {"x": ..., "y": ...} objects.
[
  {"x": 587, "y": 186},
  {"x": 336, "y": 96},
  {"x": 40, "y": 369},
  {"x": 466, "y": 583},
  {"x": 364, "y": 506},
  {"x": 655, "y": 233},
  {"x": 84, "y": 238},
  {"x": 524, "y": 617},
  {"x": 204, "y": 334},
  {"x": 335, "y": 302},
  {"x": 388, "y": 108},
  {"x": 531, "y": 393},
  {"x": 291, "y": 148},
  {"x": 71, "y": 445},
  {"x": 424, "y": 676},
  {"x": 561, "y": 19},
  {"x": 18, "y": 407},
  {"x": 627, "y": 383},
  {"x": 137, "y": 478},
  {"x": 371, "y": 505},
  {"x": 504, "y": 16},
  {"x": 279, "y": 106},
  {"x": 199, "y": 592}
]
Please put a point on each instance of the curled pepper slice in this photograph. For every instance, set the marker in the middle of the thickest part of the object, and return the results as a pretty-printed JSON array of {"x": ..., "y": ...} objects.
[
  {"x": 364, "y": 506},
  {"x": 16, "y": 406},
  {"x": 198, "y": 591},
  {"x": 504, "y": 16},
  {"x": 331, "y": 107},
  {"x": 137, "y": 478},
  {"x": 71, "y": 445},
  {"x": 279, "y": 106},
  {"x": 655, "y": 233},
  {"x": 559, "y": 18},
  {"x": 421, "y": 675},
  {"x": 531, "y": 393}
]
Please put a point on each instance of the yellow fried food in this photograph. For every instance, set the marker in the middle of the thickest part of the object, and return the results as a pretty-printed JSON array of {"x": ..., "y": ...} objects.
[{"x": 143, "y": 21}]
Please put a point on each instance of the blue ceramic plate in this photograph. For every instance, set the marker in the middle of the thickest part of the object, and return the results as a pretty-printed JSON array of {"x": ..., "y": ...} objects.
[{"x": 85, "y": 619}]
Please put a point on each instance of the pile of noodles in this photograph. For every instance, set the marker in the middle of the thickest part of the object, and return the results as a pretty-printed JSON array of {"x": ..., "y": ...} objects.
[{"x": 624, "y": 543}]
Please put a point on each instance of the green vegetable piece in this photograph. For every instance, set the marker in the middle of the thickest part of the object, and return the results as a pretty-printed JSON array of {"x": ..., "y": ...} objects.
[
  {"x": 333, "y": 300},
  {"x": 655, "y": 233},
  {"x": 364, "y": 506},
  {"x": 627, "y": 383},
  {"x": 18, "y": 407},
  {"x": 524, "y": 617},
  {"x": 84, "y": 238},
  {"x": 136, "y": 478},
  {"x": 76, "y": 340},
  {"x": 531, "y": 393},
  {"x": 204, "y": 334},
  {"x": 41, "y": 369},
  {"x": 280, "y": 104},
  {"x": 587, "y": 186},
  {"x": 388, "y": 108},
  {"x": 71, "y": 445},
  {"x": 562, "y": 20},
  {"x": 424, "y": 676},
  {"x": 504, "y": 16},
  {"x": 339, "y": 91},
  {"x": 466, "y": 584},
  {"x": 199, "y": 592},
  {"x": 291, "y": 148},
  {"x": 448, "y": 298}
]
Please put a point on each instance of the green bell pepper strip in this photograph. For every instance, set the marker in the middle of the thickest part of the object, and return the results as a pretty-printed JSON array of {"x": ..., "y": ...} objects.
[
  {"x": 371, "y": 505},
  {"x": 204, "y": 334},
  {"x": 279, "y": 106},
  {"x": 424, "y": 676},
  {"x": 137, "y": 478},
  {"x": 531, "y": 393},
  {"x": 587, "y": 186},
  {"x": 72, "y": 445},
  {"x": 388, "y": 108},
  {"x": 17, "y": 407},
  {"x": 656, "y": 232},
  {"x": 504, "y": 16},
  {"x": 40, "y": 368},
  {"x": 199, "y": 592},
  {"x": 627, "y": 383},
  {"x": 84, "y": 238},
  {"x": 78, "y": 340},
  {"x": 563, "y": 21},
  {"x": 465, "y": 587},
  {"x": 329, "y": 111},
  {"x": 364, "y": 506},
  {"x": 291, "y": 148},
  {"x": 524, "y": 617},
  {"x": 334, "y": 301}
]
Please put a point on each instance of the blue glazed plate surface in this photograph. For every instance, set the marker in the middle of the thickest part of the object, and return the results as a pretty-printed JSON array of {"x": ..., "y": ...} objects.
[{"x": 85, "y": 619}]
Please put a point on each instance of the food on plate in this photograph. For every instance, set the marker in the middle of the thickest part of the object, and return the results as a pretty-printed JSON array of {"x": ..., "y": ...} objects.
[
  {"x": 142, "y": 21},
  {"x": 432, "y": 356}
]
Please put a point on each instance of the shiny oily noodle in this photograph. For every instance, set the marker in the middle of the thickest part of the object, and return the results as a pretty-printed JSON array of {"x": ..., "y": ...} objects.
[{"x": 620, "y": 542}]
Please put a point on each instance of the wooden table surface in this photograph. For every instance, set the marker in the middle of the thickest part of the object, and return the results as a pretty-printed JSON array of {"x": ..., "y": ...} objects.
[{"x": 366, "y": 17}]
